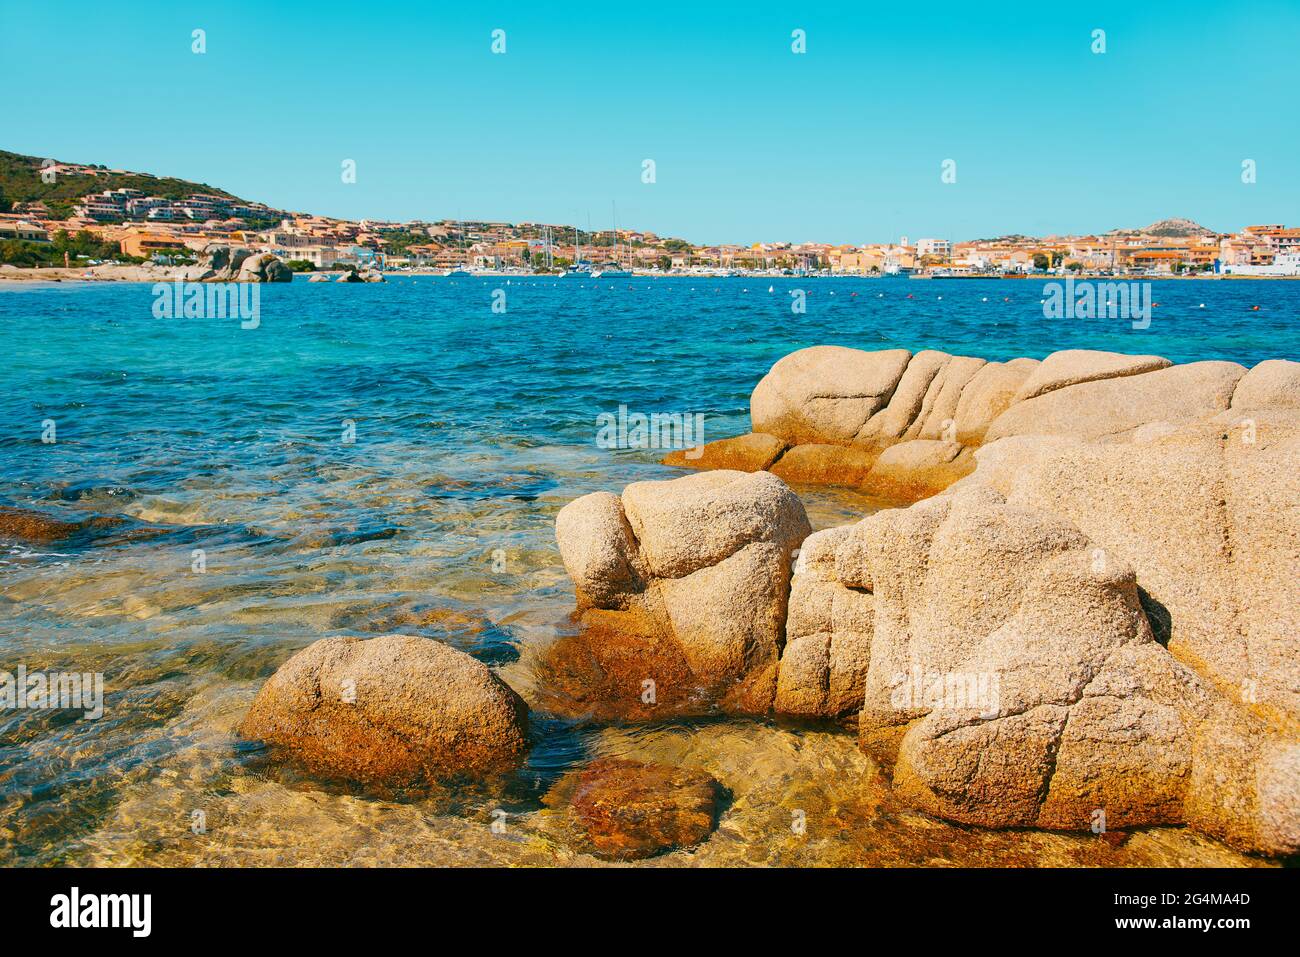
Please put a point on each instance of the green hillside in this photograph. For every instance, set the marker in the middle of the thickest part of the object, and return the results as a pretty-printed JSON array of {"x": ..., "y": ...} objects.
[{"x": 20, "y": 182}]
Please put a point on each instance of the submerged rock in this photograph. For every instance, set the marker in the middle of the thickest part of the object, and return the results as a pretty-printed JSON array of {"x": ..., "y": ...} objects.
[
  {"x": 35, "y": 527},
  {"x": 393, "y": 710},
  {"x": 629, "y": 810},
  {"x": 619, "y": 665},
  {"x": 41, "y": 528}
]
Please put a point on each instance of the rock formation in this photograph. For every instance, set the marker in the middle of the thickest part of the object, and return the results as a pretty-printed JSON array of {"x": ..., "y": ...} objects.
[
  {"x": 393, "y": 710},
  {"x": 827, "y": 635},
  {"x": 699, "y": 569},
  {"x": 1091, "y": 620},
  {"x": 221, "y": 263},
  {"x": 904, "y": 426}
]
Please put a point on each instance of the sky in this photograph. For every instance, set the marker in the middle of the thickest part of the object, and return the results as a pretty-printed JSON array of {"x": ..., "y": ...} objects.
[{"x": 751, "y": 142}]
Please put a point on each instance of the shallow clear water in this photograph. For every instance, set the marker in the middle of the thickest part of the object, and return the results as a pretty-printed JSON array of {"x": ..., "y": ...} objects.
[{"x": 472, "y": 429}]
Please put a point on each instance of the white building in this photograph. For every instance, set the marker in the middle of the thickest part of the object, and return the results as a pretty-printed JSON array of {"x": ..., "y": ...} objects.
[{"x": 934, "y": 247}]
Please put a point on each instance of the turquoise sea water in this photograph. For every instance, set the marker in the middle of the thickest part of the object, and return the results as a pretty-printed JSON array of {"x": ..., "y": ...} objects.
[{"x": 471, "y": 429}]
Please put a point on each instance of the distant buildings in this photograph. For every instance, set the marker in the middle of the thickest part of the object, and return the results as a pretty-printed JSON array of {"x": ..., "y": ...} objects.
[
  {"x": 123, "y": 205},
  {"x": 22, "y": 229},
  {"x": 143, "y": 223}
]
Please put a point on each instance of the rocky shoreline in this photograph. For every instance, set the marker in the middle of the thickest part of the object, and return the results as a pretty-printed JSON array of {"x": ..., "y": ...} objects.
[
  {"x": 1086, "y": 619},
  {"x": 1091, "y": 617},
  {"x": 216, "y": 263}
]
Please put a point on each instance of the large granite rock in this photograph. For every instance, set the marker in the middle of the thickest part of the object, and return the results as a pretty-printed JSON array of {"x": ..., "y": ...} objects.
[
  {"x": 264, "y": 267},
  {"x": 695, "y": 571},
  {"x": 1015, "y": 680},
  {"x": 1072, "y": 366},
  {"x": 1098, "y": 623},
  {"x": 828, "y": 635},
  {"x": 1273, "y": 383},
  {"x": 393, "y": 710},
  {"x": 1114, "y": 409},
  {"x": 918, "y": 468},
  {"x": 892, "y": 422},
  {"x": 696, "y": 521},
  {"x": 825, "y": 393},
  {"x": 989, "y": 393},
  {"x": 1209, "y": 516},
  {"x": 826, "y": 414}
]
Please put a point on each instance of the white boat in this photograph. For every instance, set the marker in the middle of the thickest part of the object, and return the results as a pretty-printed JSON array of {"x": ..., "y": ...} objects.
[
  {"x": 457, "y": 272},
  {"x": 613, "y": 270}
]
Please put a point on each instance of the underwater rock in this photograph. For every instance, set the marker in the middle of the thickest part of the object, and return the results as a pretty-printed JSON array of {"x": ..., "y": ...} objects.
[{"x": 628, "y": 810}]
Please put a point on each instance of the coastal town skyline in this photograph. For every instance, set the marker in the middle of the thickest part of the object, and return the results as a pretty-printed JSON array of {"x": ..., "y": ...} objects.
[{"x": 142, "y": 224}]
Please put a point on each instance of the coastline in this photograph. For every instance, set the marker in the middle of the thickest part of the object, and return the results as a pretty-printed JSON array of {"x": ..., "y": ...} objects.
[{"x": 145, "y": 274}]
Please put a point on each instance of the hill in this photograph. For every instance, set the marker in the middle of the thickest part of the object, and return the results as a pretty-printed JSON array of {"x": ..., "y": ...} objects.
[
  {"x": 1170, "y": 228},
  {"x": 20, "y": 182}
]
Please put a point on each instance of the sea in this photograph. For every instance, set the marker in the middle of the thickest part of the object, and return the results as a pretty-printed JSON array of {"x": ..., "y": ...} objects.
[{"x": 366, "y": 458}]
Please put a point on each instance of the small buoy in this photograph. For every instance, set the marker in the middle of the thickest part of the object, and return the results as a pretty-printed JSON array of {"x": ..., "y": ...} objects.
[
  {"x": 1201, "y": 306},
  {"x": 880, "y": 295},
  {"x": 984, "y": 299},
  {"x": 940, "y": 298},
  {"x": 910, "y": 296},
  {"x": 1254, "y": 308}
]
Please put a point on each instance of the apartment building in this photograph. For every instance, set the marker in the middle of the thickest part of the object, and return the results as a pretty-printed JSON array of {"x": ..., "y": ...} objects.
[{"x": 938, "y": 248}]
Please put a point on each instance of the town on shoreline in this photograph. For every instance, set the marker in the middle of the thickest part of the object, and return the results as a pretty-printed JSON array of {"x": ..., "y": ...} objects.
[{"x": 129, "y": 224}]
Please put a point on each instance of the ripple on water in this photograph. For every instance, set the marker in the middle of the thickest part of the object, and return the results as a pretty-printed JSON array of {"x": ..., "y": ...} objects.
[{"x": 471, "y": 432}]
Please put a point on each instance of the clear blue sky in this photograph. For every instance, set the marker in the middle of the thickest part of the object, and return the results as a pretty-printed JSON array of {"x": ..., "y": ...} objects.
[{"x": 751, "y": 142}]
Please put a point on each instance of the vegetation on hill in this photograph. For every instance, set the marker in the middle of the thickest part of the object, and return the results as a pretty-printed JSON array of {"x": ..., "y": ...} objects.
[{"x": 20, "y": 182}]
